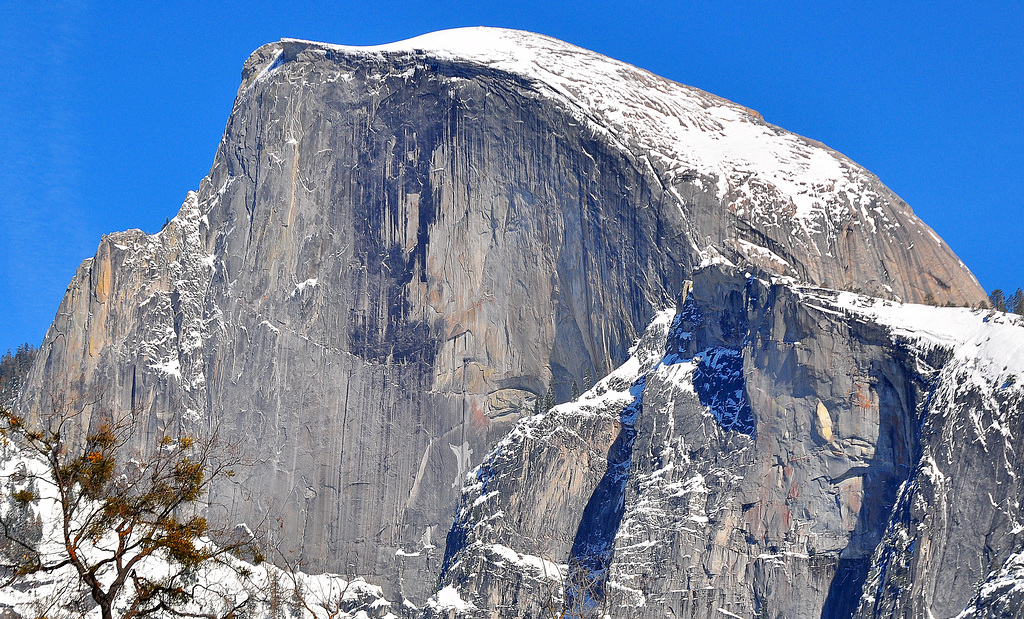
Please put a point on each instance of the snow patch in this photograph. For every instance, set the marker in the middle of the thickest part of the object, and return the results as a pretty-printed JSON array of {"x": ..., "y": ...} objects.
[
  {"x": 170, "y": 366},
  {"x": 301, "y": 287},
  {"x": 538, "y": 565},
  {"x": 448, "y": 598}
]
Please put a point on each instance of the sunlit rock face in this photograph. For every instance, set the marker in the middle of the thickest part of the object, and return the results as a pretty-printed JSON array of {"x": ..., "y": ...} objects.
[{"x": 398, "y": 249}]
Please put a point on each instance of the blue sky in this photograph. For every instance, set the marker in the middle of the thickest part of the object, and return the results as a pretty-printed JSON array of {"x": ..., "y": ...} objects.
[{"x": 110, "y": 112}]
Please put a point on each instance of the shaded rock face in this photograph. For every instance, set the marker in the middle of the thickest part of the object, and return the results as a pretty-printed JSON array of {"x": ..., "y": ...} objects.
[
  {"x": 958, "y": 521},
  {"x": 395, "y": 252}
]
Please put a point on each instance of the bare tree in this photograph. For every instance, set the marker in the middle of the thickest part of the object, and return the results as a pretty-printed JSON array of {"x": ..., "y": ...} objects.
[
  {"x": 119, "y": 508},
  {"x": 327, "y": 596},
  {"x": 574, "y": 594}
]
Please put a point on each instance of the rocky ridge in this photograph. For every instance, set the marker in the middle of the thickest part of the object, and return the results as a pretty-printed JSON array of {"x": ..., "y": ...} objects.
[{"x": 824, "y": 470}]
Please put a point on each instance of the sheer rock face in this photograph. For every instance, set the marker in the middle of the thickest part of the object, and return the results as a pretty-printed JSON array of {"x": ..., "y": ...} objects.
[
  {"x": 397, "y": 249},
  {"x": 957, "y": 529}
]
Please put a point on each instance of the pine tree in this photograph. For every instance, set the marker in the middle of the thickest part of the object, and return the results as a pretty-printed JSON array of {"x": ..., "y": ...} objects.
[
  {"x": 13, "y": 371},
  {"x": 588, "y": 380},
  {"x": 998, "y": 300},
  {"x": 549, "y": 397},
  {"x": 118, "y": 506},
  {"x": 575, "y": 391},
  {"x": 1015, "y": 303}
]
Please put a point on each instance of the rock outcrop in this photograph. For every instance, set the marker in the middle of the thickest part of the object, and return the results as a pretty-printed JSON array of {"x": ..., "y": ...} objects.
[
  {"x": 399, "y": 248},
  {"x": 787, "y": 451}
]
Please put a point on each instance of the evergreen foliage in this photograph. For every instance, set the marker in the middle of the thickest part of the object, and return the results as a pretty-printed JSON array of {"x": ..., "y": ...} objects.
[
  {"x": 1015, "y": 302},
  {"x": 13, "y": 371},
  {"x": 549, "y": 396},
  {"x": 998, "y": 300}
]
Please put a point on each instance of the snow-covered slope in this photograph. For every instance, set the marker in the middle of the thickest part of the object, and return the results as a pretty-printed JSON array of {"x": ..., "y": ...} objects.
[
  {"x": 683, "y": 130},
  {"x": 988, "y": 343}
]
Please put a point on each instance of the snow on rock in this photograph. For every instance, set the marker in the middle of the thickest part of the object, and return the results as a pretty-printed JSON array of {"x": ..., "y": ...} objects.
[
  {"x": 169, "y": 366},
  {"x": 682, "y": 130},
  {"x": 302, "y": 286},
  {"x": 483, "y": 542},
  {"x": 448, "y": 599},
  {"x": 1002, "y": 594},
  {"x": 539, "y": 565},
  {"x": 989, "y": 343},
  {"x": 700, "y": 463}
]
